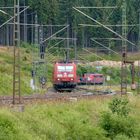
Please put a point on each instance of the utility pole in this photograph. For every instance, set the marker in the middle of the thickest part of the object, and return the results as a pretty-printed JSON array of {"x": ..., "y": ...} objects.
[
  {"x": 36, "y": 29},
  {"x": 124, "y": 52},
  {"x": 139, "y": 33},
  {"x": 42, "y": 63},
  {"x": 32, "y": 28},
  {"x": 138, "y": 73},
  {"x": 83, "y": 37},
  {"x": 35, "y": 54},
  {"x": 75, "y": 46},
  {"x": 7, "y": 35},
  {"x": 16, "y": 65},
  {"x": 109, "y": 44},
  {"x": 138, "y": 78},
  {"x": 25, "y": 22},
  {"x": 124, "y": 73},
  {"x": 42, "y": 47},
  {"x": 67, "y": 46}
]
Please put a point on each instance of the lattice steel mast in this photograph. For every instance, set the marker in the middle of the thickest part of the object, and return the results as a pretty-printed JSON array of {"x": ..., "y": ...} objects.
[
  {"x": 124, "y": 52},
  {"x": 16, "y": 65},
  {"x": 138, "y": 73}
]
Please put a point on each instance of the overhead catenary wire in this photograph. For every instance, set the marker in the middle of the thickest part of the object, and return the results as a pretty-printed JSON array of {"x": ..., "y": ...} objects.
[
  {"x": 4, "y": 13},
  {"x": 60, "y": 38},
  {"x": 104, "y": 46},
  {"x": 92, "y": 7},
  {"x": 83, "y": 58},
  {"x": 104, "y": 26},
  {"x": 12, "y": 7},
  {"x": 93, "y": 53},
  {"x": 107, "y": 38},
  {"x": 28, "y": 24},
  {"x": 54, "y": 34},
  {"x": 112, "y": 12},
  {"x": 117, "y": 25},
  {"x": 55, "y": 44},
  {"x": 13, "y": 17}
]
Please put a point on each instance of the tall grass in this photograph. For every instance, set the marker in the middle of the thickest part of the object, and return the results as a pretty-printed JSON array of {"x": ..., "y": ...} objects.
[{"x": 65, "y": 121}]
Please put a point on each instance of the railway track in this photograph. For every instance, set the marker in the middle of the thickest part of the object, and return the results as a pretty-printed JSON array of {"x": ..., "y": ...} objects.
[{"x": 51, "y": 95}]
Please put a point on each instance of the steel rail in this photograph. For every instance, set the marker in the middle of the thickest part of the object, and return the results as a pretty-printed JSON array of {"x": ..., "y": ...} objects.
[{"x": 81, "y": 93}]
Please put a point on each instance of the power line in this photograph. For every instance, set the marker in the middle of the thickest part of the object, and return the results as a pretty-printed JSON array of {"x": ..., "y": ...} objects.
[
  {"x": 54, "y": 34},
  {"x": 104, "y": 26},
  {"x": 60, "y": 38},
  {"x": 12, "y": 7},
  {"x": 13, "y": 17},
  {"x": 4, "y": 13},
  {"x": 55, "y": 44},
  {"x": 125, "y": 25},
  {"x": 93, "y": 54},
  {"x": 27, "y": 24},
  {"x": 104, "y": 46},
  {"x": 105, "y": 7},
  {"x": 107, "y": 38}
]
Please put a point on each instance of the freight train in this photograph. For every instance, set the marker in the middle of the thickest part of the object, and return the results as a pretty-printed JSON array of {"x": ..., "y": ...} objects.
[{"x": 64, "y": 76}]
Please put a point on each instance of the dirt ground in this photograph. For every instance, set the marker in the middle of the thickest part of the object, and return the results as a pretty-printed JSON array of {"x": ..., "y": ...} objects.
[
  {"x": 5, "y": 49},
  {"x": 110, "y": 63}
]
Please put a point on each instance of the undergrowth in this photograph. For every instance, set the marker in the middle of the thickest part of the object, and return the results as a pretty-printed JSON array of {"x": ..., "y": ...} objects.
[{"x": 96, "y": 119}]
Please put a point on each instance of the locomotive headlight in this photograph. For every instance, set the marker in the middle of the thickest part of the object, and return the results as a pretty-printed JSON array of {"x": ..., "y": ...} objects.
[
  {"x": 59, "y": 75},
  {"x": 88, "y": 78},
  {"x": 70, "y": 75},
  {"x": 58, "y": 79}
]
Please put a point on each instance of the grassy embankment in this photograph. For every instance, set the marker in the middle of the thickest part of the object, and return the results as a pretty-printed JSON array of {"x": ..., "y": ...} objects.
[
  {"x": 71, "y": 121},
  {"x": 6, "y": 61},
  {"x": 28, "y": 54},
  {"x": 6, "y": 69}
]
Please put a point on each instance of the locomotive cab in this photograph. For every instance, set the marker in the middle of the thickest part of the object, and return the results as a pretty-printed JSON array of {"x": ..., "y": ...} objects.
[{"x": 64, "y": 76}]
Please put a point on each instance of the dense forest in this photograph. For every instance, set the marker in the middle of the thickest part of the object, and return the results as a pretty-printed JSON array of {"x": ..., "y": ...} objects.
[{"x": 56, "y": 12}]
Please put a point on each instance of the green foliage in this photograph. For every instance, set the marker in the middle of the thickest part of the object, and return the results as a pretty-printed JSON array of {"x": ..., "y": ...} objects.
[
  {"x": 69, "y": 121},
  {"x": 114, "y": 125},
  {"x": 7, "y": 127},
  {"x": 120, "y": 106},
  {"x": 124, "y": 137},
  {"x": 118, "y": 123},
  {"x": 61, "y": 121},
  {"x": 81, "y": 70},
  {"x": 11, "y": 128}
]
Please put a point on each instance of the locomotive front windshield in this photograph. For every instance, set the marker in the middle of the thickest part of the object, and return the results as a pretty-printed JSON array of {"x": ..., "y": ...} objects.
[{"x": 65, "y": 68}]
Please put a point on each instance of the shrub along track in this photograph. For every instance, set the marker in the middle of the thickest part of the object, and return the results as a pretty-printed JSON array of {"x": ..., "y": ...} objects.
[{"x": 51, "y": 95}]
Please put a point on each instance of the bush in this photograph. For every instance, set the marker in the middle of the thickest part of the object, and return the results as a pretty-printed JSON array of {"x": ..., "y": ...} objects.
[
  {"x": 7, "y": 128},
  {"x": 114, "y": 125},
  {"x": 82, "y": 130},
  {"x": 124, "y": 137},
  {"x": 119, "y": 106},
  {"x": 118, "y": 121},
  {"x": 11, "y": 128}
]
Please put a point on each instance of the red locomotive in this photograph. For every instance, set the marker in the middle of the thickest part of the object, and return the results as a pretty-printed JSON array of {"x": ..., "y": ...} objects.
[
  {"x": 91, "y": 78},
  {"x": 64, "y": 76}
]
